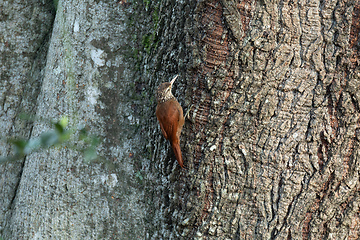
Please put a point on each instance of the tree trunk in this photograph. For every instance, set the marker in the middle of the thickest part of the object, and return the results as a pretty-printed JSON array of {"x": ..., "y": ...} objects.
[
  {"x": 87, "y": 77},
  {"x": 271, "y": 145},
  {"x": 25, "y": 30}
]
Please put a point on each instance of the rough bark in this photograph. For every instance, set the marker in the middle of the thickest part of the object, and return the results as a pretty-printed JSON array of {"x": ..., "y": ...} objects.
[{"x": 272, "y": 145}]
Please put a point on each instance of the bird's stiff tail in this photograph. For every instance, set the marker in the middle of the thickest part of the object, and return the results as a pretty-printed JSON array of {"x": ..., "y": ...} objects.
[{"x": 177, "y": 152}]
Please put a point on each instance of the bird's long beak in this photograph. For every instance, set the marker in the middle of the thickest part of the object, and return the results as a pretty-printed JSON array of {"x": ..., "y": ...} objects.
[{"x": 172, "y": 81}]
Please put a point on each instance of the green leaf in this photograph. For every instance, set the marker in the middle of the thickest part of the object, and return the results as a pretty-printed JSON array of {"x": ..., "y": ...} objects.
[
  {"x": 64, "y": 121},
  {"x": 95, "y": 141},
  {"x": 49, "y": 139},
  {"x": 61, "y": 124},
  {"x": 90, "y": 154},
  {"x": 83, "y": 133},
  {"x": 32, "y": 145},
  {"x": 26, "y": 116},
  {"x": 65, "y": 136},
  {"x": 59, "y": 128},
  {"x": 19, "y": 145},
  {"x": 56, "y": 136}
]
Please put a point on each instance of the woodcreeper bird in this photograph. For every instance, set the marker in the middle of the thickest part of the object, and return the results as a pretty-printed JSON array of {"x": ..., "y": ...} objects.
[{"x": 170, "y": 116}]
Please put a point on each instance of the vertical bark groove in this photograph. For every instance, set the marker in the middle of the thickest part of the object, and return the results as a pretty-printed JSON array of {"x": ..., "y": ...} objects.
[{"x": 290, "y": 118}]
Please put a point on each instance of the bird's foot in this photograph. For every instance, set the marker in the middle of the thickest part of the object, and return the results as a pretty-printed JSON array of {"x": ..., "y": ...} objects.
[{"x": 188, "y": 111}]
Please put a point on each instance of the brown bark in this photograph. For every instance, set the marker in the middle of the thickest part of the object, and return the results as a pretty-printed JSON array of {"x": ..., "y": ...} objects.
[{"x": 272, "y": 144}]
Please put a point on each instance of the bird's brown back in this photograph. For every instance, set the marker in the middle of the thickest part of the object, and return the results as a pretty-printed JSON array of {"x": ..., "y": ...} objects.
[{"x": 171, "y": 119}]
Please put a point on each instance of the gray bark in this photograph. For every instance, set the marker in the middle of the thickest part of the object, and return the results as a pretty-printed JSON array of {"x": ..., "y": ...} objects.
[
  {"x": 87, "y": 78},
  {"x": 25, "y": 29}
]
